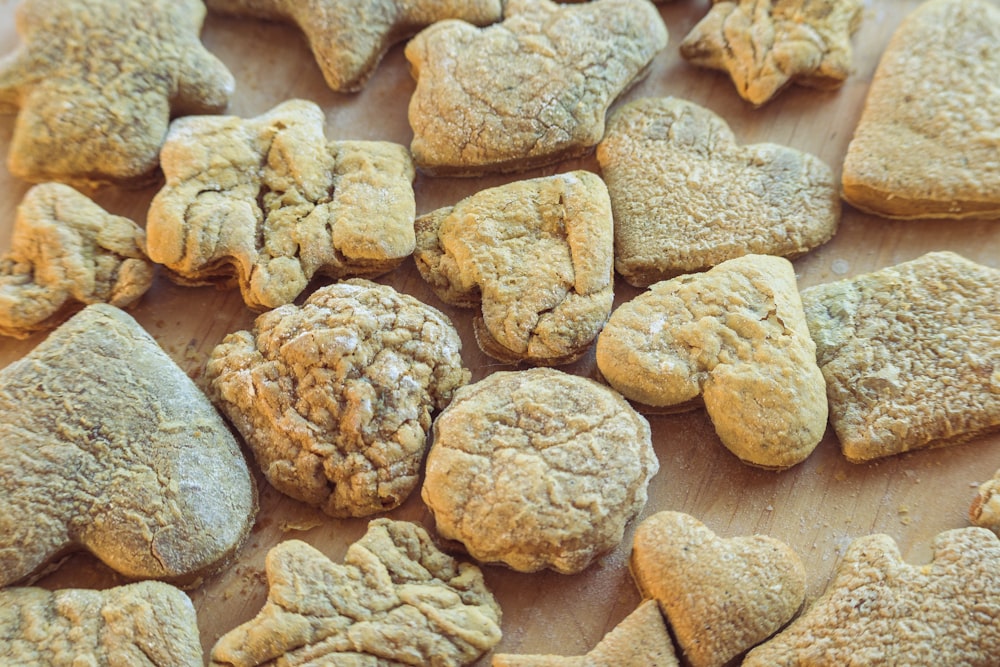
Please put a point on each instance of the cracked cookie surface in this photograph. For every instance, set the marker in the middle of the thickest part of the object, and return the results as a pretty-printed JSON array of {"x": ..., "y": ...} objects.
[
  {"x": 538, "y": 469},
  {"x": 270, "y": 203},
  {"x": 335, "y": 396}
]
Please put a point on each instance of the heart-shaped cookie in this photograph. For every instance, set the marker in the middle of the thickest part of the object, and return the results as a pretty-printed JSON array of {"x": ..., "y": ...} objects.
[
  {"x": 686, "y": 196},
  {"x": 720, "y": 596}
]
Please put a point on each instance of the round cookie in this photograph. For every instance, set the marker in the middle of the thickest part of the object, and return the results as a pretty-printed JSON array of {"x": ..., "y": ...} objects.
[
  {"x": 335, "y": 396},
  {"x": 538, "y": 469}
]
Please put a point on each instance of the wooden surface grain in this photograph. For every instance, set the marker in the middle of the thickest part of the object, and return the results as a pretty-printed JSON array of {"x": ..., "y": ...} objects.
[{"x": 818, "y": 507}]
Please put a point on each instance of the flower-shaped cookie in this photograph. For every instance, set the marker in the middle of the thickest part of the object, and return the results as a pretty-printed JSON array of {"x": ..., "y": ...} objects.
[
  {"x": 535, "y": 255},
  {"x": 736, "y": 336},
  {"x": 767, "y": 44},
  {"x": 106, "y": 445},
  {"x": 396, "y": 600},
  {"x": 720, "y": 596},
  {"x": 529, "y": 91},
  {"x": 349, "y": 37},
  {"x": 97, "y": 82},
  {"x": 687, "y": 196},
  {"x": 269, "y": 202},
  {"x": 67, "y": 252},
  {"x": 879, "y": 610}
]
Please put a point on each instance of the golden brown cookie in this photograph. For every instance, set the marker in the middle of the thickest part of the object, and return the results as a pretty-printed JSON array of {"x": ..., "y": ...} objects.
[
  {"x": 97, "y": 82},
  {"x": 879, "y": 610},
  {"x": 736, "y": 337},
  {"x": 147, "y": 623},
  {"x": 269, "y": 203},
  {"x": 926, "y": 144},
  {"x": 535, "y": 256},
  {"x": 335, "y": 396},
  {"x": 985, "y": 508},
  {"x": 538, "y": 469},
  {"x": 107, "y": 446},
  {"x": 67, "y": 252},
  {"x": 910, "y": 354},
  {"x": 766, "y": 44},
  {"x": 529, "y": 91},
  {"x": 396, "y": 600},
  {"x": 720, "y": 596},
  {"x": 640, "y": 640},
  {"x": 686, "y": 196},
  {"x": 349, "y": 37}
]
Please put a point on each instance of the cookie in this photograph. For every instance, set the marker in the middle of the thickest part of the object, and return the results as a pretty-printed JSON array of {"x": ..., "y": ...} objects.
[
  {"x": 766, "y": 45},
  {"x": 66, "y": 252},
  {"x": 396, "y": 600},
  {"x": 335, "y": 397},
  {"x": 349, "y": 37},
  {"x": 529, "y": 91},
  {"x": 535, "y": 256},
  {"x": 270, "y": 204},
  {"x": 640, "y": 640},
  {"x": 537, "y": 469},
  {"x": 85, "y": 118},
  {"x": 733, "y": 339},
  {"x": 910, "y": 354},
  {"x": 879, "y": 610},
  {"x": 926, "y": 143},
  {"x": 145, "y": 623},
  {"x": 985, "y": 508},
  {"x": 720, "y": 596},
  {"x": 107, "y": 446},
  {"x": 686, "y": 196}
]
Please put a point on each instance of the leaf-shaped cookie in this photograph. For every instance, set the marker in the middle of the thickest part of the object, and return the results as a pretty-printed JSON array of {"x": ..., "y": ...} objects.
[{"x": 720, "y": 596}]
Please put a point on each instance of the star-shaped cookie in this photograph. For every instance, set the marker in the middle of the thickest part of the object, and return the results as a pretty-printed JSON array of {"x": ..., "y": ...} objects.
[
  {"x": 97, "y": 82},
  {"x": 766, "y": 44}
]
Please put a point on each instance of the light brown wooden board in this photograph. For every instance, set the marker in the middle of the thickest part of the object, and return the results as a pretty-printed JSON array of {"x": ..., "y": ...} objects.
[{"x": 818, "y": 507}]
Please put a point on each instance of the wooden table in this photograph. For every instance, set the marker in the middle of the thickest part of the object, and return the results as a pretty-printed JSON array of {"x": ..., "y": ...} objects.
[{"x": 818, "y": 507}]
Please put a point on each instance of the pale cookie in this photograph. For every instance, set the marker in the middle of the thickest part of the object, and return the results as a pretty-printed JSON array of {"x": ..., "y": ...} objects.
[
  {"x": 734, "y": 336},
  {"x": 97, "y": 82},
  {"x": 538, "y": 469},
  {"x": 335, "y": 396},
  {"x": 985, "y": 508},
  {"x": 686, "y": 196},
  {"x": 396, "y": 600},
  {"x": 926, "y": 145},
  {"x": 529, "y": 91},
  {"x": 720, "y": 596},
  {"x": 107, "y": 446},
  {"x": 765, "y": 45},
  {"x": 879, "y": 610},
  {"x": 640, "y": 640},
  {"x": 910, "y": 354},
  {"x": 270, "y": 203},
  {"x": 536, "y": 256},
  {"x": 350, "y": 37},
  {"x": 67, "y": 252},
  {"x": 146, "y": 624}
]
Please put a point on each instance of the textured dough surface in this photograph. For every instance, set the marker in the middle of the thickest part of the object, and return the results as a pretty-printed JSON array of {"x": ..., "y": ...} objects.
[
  {"x": 926, "y": 145},
  {"x": 686, "y": 196},
  {"x": 721, "y": 596},
  {"x": 335, "y": 396},
  {"x": 736, "y": 337},
  {"x": 985, "y": 508},
  {"x": 146, "y": 624},
  {"x": 396, "y": 600},
  {"x": 538, "y": 469},
  {"x": 96, "y": 83},
  {"x": 67, "y": 252},
  {"x": 270, "y": 203},
  {"x": 535, "y": 255},
  {"x": 911, "y": 354},
  {"x": 349, "y": 37},
  {"x": 879, "y": 610},
  {"x": 529, "y": 91},
  {"x": 106, "y": 445}
]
